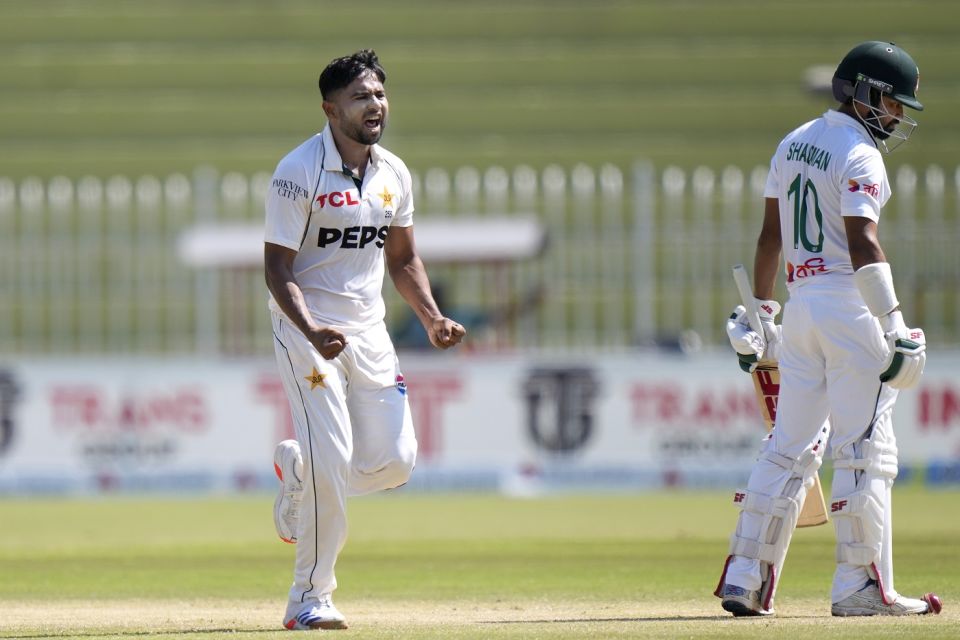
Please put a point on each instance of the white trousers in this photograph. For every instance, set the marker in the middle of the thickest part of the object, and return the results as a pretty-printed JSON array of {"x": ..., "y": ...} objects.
[
  {"x": 356, "y": 436},
  {"x": 833, "y": 353}
]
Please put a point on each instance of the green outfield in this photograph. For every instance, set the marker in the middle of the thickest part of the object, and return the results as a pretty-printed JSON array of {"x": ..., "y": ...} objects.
[
  {"x": 427, "y": 566},
  {"x": 110, "y": 86}
]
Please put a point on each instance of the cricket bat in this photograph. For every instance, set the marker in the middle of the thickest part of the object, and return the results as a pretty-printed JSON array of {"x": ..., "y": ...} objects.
[{"x": 766, "y": 382}]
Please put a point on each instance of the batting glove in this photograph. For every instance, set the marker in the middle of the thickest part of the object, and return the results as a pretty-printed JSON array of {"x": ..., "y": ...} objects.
[
  {"x": 751, "y": 347},
  {"x": 907, "y": 356}
]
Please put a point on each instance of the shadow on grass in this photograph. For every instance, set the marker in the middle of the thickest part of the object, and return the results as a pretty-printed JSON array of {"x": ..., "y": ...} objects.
[{"x": 719, "y": 617}]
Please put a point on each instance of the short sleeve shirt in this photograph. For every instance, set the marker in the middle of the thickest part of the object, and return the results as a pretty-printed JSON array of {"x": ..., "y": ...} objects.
[
  {"x": 823, "y": 171},
  {"x": 338, "y": 229}
]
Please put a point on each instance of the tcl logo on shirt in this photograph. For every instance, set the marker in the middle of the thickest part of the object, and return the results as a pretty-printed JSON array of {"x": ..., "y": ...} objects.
[{"x": 339, "y": 198}]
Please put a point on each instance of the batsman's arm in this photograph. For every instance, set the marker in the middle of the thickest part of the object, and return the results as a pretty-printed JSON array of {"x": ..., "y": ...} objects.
[
  {"x": 766, "y": 261},
  {"x": 862, "y": 241}
]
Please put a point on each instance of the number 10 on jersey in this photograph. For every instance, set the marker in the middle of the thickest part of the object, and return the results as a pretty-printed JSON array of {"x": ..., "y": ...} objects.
[{"x": 800, "y": 214}]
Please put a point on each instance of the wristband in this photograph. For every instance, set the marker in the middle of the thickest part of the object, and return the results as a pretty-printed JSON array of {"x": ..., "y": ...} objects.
[{"x": 875, "y": 282}]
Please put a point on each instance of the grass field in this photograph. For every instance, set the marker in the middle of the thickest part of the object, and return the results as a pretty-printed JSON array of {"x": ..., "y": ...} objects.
[
  {"x": 112, "y": 86},
  {"x": 426, "y": 566}
]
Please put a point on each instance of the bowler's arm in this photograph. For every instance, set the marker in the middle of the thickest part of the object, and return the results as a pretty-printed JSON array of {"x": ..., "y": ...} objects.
[
  {"x": 282, "y": 283},
  {"x": 410, "y": 278}
]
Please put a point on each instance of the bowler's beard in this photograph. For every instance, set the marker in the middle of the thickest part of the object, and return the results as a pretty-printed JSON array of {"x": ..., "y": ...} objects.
[{"x": 361, "y": 134}]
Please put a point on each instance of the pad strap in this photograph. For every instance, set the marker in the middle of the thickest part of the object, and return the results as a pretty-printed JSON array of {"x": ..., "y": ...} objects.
[
  {"x": 754, "y": 549},
  {"x": 804, "y": 466},
  {"x": 862, "y": 506},
  {"x": 778, "y": 507},
  {"x": 874, "y": 457}
]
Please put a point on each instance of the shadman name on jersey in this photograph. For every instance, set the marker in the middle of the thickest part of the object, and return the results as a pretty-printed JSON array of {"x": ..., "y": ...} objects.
[{"x": 812, "y": 155}]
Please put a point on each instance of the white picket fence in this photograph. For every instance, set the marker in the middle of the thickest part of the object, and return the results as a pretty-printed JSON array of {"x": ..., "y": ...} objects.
[{"x": 635, "y": 258}]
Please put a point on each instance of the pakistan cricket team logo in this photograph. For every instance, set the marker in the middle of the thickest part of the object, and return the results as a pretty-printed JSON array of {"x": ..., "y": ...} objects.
[
  {"x": 9, "y": 393},
  {"x": 560, "y": 407}
]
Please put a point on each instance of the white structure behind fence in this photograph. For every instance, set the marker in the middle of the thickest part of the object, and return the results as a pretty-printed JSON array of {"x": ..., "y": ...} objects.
[{"x": 635, "y": 257}]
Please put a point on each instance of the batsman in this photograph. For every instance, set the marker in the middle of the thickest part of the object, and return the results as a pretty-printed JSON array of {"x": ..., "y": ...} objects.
[{"x": 844, "y": 350}]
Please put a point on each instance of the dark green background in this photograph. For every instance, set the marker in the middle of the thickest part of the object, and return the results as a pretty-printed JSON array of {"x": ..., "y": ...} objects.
[{"x": 107, "y": 86}]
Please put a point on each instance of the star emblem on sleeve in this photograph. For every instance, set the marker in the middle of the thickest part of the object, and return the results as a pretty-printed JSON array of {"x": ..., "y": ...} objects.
[
  {"x": 387, "y": 197},
  {"x": 316, "y": 379}
]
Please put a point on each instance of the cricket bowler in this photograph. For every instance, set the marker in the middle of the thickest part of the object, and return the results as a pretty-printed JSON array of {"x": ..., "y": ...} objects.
[{"x": 338, "y": 210}]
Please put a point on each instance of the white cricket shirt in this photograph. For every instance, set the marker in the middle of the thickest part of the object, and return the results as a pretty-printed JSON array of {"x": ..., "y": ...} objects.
[
  {"x": 337, "y": 229},
  {"x": 822, "y": 171}
]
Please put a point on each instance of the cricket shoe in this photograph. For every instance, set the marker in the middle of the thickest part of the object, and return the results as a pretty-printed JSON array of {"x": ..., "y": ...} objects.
[
  {"x": 869, "y": 602},
  {"x": 742, "y": 602},
  {"x": 313, "y": 614},
  {"x": 286, "y": 508}
]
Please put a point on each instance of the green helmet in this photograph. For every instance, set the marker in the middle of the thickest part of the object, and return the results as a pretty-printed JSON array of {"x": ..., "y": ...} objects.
[
  {"x": 882, "y": 66},
  {"x": 870, "y": 71}
]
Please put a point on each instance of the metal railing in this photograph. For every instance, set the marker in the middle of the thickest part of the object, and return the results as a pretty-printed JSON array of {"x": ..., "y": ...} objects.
[{"x": 635, "y": 257}]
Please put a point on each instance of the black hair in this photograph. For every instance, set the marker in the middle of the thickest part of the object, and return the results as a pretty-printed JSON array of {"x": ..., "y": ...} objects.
[{"x": 342, "y": 71}]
